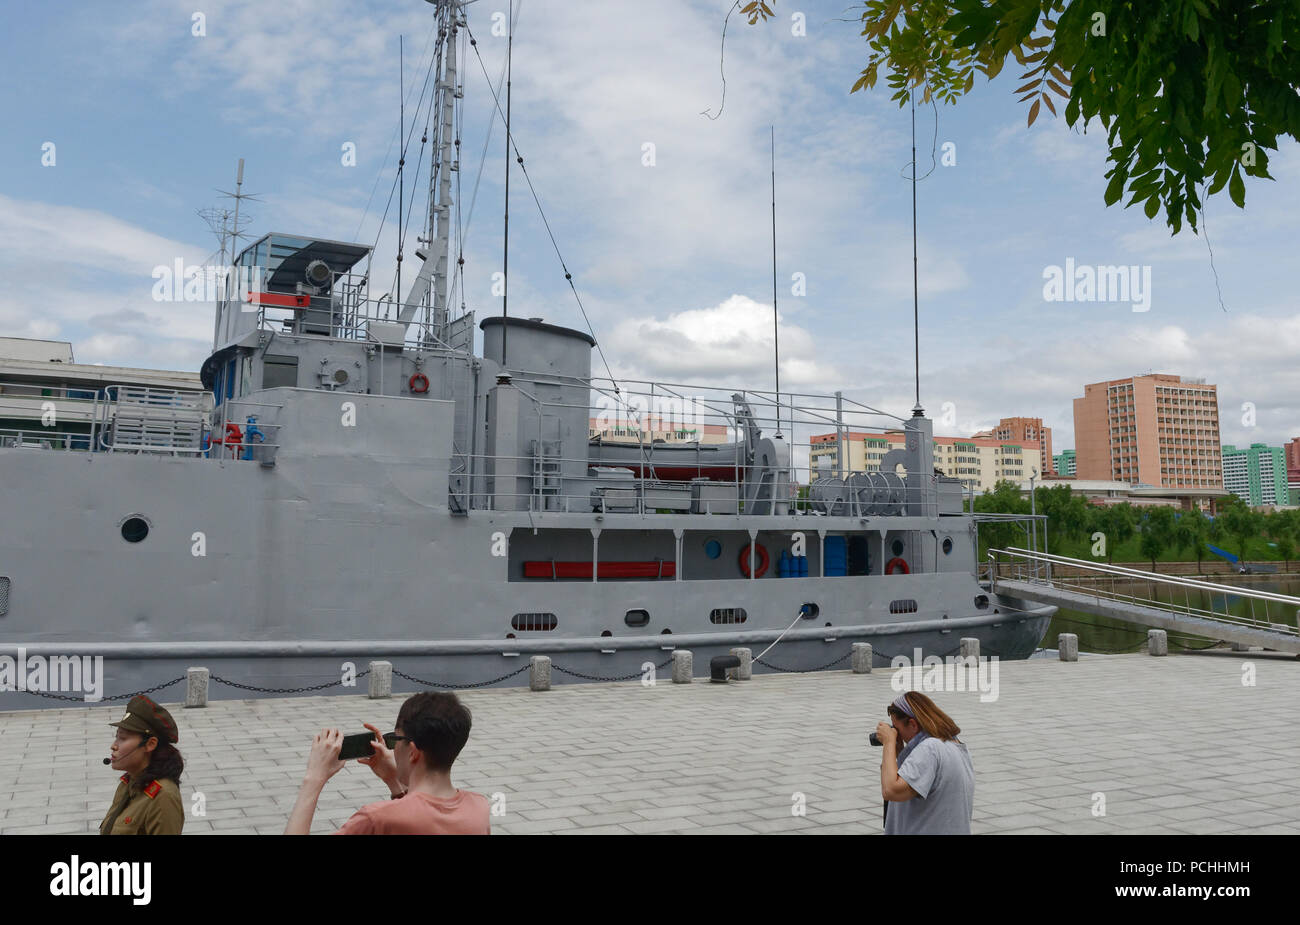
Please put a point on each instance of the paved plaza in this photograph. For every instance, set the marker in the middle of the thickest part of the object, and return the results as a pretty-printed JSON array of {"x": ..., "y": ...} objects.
[{"x": 1172, "y": 745}]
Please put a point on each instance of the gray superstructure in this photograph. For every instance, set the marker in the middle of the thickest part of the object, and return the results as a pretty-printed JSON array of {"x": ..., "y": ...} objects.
[{"x": 353, "y": 481}]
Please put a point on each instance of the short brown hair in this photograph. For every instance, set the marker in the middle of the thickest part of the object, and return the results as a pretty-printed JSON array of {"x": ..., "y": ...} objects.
[
  {"x": 437, "y": 724},
  {"x": 929, "y": 717}
]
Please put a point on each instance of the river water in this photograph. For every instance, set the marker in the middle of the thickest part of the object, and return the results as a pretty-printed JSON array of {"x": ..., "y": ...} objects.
[{"x": 1103, "y": 634}]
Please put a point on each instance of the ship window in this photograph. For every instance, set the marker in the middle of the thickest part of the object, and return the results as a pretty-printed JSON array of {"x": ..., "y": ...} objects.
[
  {"x": 279, "y": 372},
  {"x": 134, "y": 529},
  {"x": 902, "y": 606},
  {"x": 534, "y": 621},
  {"x": 4, "y": 595},
  {"x": 728, "y": 615},
  {"x": 947, "y": 545},
  {"x": 636, "y": 617},
  {"x": 897, "y": 547},
  {"x": 713, "y": 549}
]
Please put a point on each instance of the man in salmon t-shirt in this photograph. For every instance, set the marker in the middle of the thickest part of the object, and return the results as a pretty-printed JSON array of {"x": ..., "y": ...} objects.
[{"x": 415, "y": 762}]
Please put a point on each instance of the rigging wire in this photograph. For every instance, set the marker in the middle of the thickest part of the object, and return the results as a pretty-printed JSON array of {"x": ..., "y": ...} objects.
[{"x": 542, "y": 212}]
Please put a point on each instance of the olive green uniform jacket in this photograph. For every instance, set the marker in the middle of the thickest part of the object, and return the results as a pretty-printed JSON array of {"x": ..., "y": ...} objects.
[{"x": 155, "y": 810}]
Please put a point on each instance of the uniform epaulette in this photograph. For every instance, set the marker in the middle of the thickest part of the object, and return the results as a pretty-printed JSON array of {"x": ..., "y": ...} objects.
[{"x": 153, "y": 789}]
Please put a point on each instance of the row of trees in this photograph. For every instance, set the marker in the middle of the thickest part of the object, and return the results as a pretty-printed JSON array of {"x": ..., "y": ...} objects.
[{"x": 1075, "y": 527}]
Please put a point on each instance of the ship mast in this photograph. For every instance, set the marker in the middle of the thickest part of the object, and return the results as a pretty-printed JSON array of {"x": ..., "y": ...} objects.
[{"x": 431, "y": 284}]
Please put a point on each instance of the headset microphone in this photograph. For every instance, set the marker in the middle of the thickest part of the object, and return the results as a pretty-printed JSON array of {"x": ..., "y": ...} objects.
[{"x": 138, "y": 744}]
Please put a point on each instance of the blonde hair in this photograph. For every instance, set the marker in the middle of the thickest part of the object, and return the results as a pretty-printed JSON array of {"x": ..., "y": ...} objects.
[{"x": 929, "y": 717}]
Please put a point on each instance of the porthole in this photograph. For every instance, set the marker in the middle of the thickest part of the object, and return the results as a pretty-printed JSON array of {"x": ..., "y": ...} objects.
[
  {"x": 637, "y": 617},
  {"x": 947, "y": 545},
  {"x": 713, "y": 549},
  {"x": 135, "y": 528},
  {"x": 897, "y": 547},
  {"x": 982, "y": 602}
]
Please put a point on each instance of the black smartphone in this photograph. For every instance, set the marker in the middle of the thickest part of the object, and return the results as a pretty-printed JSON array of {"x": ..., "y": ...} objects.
[{"x": 357, "y": 746}]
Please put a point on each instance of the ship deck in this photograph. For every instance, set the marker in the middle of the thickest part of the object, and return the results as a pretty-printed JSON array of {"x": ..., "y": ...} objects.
[{"x": 1162, "y": 738}]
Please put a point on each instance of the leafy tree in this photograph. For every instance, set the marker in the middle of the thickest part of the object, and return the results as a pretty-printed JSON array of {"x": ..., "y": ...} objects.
[
  {"x": 1191, "y": 92},
  {"x": 1192, "y": 529},
  {"x": 1238, "y": 521},
  {"x": 1157, "y": 532},
  {"x": 1118, "y": 522}
]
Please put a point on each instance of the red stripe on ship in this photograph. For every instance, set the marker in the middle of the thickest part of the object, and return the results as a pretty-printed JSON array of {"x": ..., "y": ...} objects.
[
  {"x": 652, "y": 569},
  {"x": 281, "y": 299}
]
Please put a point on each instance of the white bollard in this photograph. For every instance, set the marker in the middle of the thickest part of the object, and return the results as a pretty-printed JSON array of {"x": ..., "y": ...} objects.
[
  {"x": 1157, "y": 642},
  {"x": 861, "y": 658},
  {"x": 381, "y": 680},
  {"x": 682, "y": 666},
  {"x": 539, "y": 673},
  {"x": 1068, "y": 646},
  {"x": 746, "y": 670},
  {"x": 196, "y": 687},
  {"x": 970, "y": 649}
]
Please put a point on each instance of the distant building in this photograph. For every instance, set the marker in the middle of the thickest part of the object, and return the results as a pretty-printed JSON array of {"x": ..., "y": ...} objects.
[
  {"x": 1292, "y": 453},
  {"x": 1027, "y": 430},
  {"x": 656, "y": 430},
  {"x": 1157, "y": 429},
  {"x": 979, "y": 462},
  {"x": 1256, "y": 475},
  {"x": 1064, "y": 463},
  {"x": 40, "y": 376}
]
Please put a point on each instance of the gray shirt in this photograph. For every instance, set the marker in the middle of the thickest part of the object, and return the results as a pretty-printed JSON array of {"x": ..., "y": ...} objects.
[{"x": 942, "y": 775}]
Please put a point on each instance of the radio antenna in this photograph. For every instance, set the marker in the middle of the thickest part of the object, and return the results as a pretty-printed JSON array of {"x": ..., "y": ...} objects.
[
  {"x": 505, "y": 259},
  {"x": 776, "y": 333}
]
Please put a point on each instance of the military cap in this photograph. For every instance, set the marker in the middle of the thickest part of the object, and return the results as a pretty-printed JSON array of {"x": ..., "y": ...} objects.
[{"x": 145, "y": 716}]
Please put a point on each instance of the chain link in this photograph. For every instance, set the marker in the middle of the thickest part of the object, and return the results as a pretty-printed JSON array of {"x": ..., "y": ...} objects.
[
  {"x": 282, "y": 690},
  {"x": 624, "y": 677},
  {"x": 460, "y": 687},
  {"x": 82, "y": 699},
  {"x": 766, "y": 664}
]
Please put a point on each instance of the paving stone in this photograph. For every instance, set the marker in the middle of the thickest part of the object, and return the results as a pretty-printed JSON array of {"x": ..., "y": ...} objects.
[{"x": 610, "y": 757}]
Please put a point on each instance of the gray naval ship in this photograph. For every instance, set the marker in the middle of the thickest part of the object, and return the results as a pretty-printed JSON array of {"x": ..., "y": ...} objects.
[{"x": 355, "y": 482}]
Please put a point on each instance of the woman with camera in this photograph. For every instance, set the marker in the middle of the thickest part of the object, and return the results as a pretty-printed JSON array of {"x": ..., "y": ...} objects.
[{"x": 928, "y": 787}]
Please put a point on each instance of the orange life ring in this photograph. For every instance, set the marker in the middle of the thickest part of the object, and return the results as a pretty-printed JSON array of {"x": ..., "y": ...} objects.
[
  {"x": 897, "y": 561},
  {"x": 760, "y": 552},
  {"x": 420, "y": 378}
]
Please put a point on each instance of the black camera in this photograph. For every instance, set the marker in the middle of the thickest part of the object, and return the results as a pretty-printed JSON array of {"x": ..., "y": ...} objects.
[{"x": 875, "y": 740}]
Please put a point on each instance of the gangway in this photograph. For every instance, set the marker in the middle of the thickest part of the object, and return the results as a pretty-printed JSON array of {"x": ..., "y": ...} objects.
[{"x": 1270, "y": 620}]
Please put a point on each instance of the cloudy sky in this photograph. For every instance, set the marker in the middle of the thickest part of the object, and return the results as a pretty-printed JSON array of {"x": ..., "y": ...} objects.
[{"x": 673, "y": 260}]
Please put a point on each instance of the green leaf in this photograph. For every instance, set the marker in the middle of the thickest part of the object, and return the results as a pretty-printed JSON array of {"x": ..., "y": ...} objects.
[
  {"x": 1237, "y": 187},
  {"x": 1152, "y": 206},
  {"x": 1115, "y": 189},
  {"x": 1033, "y": 112}
]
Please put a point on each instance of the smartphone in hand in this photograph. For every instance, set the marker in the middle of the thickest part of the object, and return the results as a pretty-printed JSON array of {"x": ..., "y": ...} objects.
[{"x": 357, "y": 746}]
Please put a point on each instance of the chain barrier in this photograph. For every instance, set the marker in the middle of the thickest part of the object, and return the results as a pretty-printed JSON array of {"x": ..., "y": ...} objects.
[
  {"x": 767, "y": 664},
  {"x": 624, "y": 677},
  {"x": 460, "y": 687},
  {"x": 82, "y": 699},
  {"x": 282, "y": 690}
]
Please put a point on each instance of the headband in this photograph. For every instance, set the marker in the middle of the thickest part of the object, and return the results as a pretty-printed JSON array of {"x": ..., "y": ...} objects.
[{"x": 901, "y": 702}]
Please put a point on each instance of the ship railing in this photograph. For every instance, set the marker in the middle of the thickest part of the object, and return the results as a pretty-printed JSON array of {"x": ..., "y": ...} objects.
[
  {"x": 349, "y": 317},
  {"x": 995, "y": 530},
  {"x": 243, "y": 429},
  {"x": 543, "y": 481},
  {"x": 1177, "y": 594},
  {"x": 635, "y": 420},
  {"x": 45, "y": 439},
  {"x": 145, "y": 419}
]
